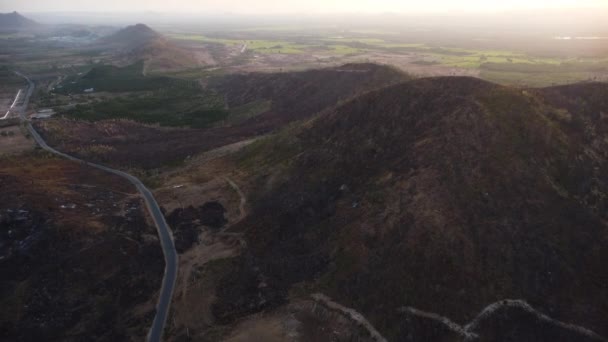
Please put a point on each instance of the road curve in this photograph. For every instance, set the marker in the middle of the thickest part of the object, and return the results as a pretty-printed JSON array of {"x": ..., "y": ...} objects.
[
  {"x": 12, "y": 106},
  {"x": 164, "y": 232}
]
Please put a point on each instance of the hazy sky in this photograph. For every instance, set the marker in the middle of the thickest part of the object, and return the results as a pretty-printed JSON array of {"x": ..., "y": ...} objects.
[{"x": 281, "y": 6}]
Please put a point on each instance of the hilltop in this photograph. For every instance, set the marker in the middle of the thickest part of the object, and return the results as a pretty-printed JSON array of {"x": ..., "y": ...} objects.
[
  {"x": 15, "y": 21},
  {"x": 140, "y": 42},
  {"x": 441, "y": 194},
  {"x": 132, "y": 36}
]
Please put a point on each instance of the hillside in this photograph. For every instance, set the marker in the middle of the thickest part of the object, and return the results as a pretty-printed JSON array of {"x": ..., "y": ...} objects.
[
  {"x": 444, "y": 195},
  {"x": 253, "y": 107},
  {"x": 15, "y": 22},
  {"x": 132, "y": 36},
  {"x": 139, "y": 42},
  {"x": 297, "y": 95},
  {"x": 65, "y": 280}
]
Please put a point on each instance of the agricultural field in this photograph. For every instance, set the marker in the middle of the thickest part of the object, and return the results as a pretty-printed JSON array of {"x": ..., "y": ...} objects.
[
  {"x": 290, "y": 48},
  {"x": 278, "y": 48}
]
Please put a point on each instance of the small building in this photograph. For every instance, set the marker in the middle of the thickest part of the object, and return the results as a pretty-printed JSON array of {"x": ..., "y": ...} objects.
[
  {"x": 43, "y": 114},
  {"x": 89, "y": 90},
  {"x": 40, "y": 116}
]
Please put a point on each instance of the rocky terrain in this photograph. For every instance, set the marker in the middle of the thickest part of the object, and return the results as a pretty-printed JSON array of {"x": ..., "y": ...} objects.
[
  {"x": 368, "y": 206},
  {"x": 443, "y": 195},
  {"x": 79, "y": 260}
]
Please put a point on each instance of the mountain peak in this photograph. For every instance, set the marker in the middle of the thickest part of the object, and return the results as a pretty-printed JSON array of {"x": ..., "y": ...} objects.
[
  {"x": 134, "y": 35},
  {"x": 139, "y": 29},
  {"x": 15, "y": 21}
]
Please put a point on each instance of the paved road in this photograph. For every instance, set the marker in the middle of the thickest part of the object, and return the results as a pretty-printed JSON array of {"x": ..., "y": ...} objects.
[
  {"x": 12, "y": 106},
  {"x": 164, "y": 232}
]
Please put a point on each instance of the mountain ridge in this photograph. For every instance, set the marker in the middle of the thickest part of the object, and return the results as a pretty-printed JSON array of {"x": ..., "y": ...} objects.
[{"x": 450, "y": 192}]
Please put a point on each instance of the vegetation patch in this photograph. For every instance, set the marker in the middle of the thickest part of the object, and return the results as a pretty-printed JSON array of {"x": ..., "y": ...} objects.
[
  {"x": 249, "y": 110},
  {"x": 115, "y": 79},
  {"x": 155, "y": 100},
  {"x": 166, "y": 108}
]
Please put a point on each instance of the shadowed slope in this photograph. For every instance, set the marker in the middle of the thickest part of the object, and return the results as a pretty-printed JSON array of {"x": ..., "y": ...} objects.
[{"x": 444, "y": 194}]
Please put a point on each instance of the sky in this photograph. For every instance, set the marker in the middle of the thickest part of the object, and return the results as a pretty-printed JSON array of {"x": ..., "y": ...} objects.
[{"x": 295, "y": 6}]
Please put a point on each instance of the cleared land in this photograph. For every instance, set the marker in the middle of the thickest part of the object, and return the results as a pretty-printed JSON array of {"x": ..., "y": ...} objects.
[
  {"x": 505, "y": 58},
  {"x": 13, "y": 140},
  {"x": 518, "y": 67}
]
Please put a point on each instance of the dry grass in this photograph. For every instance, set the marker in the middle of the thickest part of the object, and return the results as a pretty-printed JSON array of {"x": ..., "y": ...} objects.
[{"x": 13, "y": 141}]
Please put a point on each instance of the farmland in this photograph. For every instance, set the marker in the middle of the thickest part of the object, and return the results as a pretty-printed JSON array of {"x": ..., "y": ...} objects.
[
  {"x": 289, "y": 47},
  {"x": 502, "y": 58}
]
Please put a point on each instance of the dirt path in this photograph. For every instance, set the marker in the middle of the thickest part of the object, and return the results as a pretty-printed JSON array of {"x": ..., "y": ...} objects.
[
  {"x": 223, "y": 151},
  {"x": 351, "y": 314},
  {"x": 243, "y": 202},
  {"x": 468, "y": 331},
  {"x": 200, "y": 256}
]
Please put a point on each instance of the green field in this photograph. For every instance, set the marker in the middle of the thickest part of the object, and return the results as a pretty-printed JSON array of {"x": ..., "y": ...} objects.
[
  {"x": 169, "y": 108},
  {"x": 279, "y": 46},
  {"x": 341, "y": 46},
  {"x": 162, "y": 100},
  {"x": 115, "y": 79},
  {"x": 539, "y": 75},
  {"x": 257, "y": 45}
]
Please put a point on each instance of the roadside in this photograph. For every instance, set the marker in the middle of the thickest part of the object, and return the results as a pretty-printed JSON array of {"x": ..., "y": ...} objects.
[{"x": 164, "y": 233}]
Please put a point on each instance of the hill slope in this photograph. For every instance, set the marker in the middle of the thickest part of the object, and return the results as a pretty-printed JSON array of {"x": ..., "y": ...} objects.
[
  {"x": 442, "y": 194},
  {"x": 132, "y": 36},
  {"x": 15, "y": 21},
  {"x": 140, "y": 42},
  {"x": 296, "y": 96}
]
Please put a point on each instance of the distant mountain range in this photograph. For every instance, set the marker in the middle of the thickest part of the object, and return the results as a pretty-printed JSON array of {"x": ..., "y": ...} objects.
[{"x": 15, "y": 21}]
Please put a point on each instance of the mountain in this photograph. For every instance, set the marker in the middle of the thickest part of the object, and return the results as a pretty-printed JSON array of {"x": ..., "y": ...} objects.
[
  {"x": 132, "y": 36},
  {"x": 140, "y": 42},
  {"x": 440, "y": 195},
  {"x": 15, "y": 21}
]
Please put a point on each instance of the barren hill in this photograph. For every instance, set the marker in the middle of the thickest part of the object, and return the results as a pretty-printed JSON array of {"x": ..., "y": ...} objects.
[
  {"x": 15, "y": 21},
  {"x": 298, "y": 95},
  {"x": 132, "y": 36},
  {"x": 441, "y": 194},
  {"x": 140, "y": 42}
]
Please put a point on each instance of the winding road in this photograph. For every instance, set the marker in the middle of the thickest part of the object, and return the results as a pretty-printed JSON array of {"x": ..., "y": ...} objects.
[
  {"x": 164, "y": 232},
  {"x": 12, "y": 106}
]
